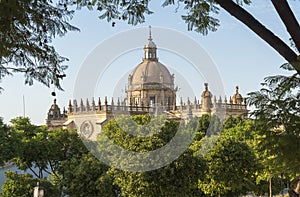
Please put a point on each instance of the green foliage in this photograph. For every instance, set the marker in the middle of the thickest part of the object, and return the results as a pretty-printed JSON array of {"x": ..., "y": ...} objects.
[
  {"x": 277, "y": 117},
  {"x": 231, "y": 122},
  {"x": 231, "y": 168},
  {"x": 199, "y": 13},
  {"x": 23, "y": 126},
  {"x": 59, "y": 155},
  {"x": 40, "y": 150},
  {"x": 239, "y": 128},
  {"x": 148, "y": 136},
  {"x": 21, "y": 185},
  {"x": 182, "y": 173},
  {"x": 131, "y": 11},
  {"x": 233, "y": 165},
  {"x": 27, "y": 28},
  {"x": 85, "y": 176},
  {"x": 8, "y": 143},
  {"x": 205, "y": 126},
  {"x": 230, "y": 159},
  {"x": 202, "y": 126}
]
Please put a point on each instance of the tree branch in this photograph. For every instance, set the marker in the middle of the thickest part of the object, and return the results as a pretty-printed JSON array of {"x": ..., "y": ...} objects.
[
  {"x": 33, "y": 172},
  {"x": 47, "y": 171},
  {"x": 275, "y": 42},
  {"x": 288, "y": 18},
  {"x": 52, "y": 169},
  {"x": 16, "y": 69}
]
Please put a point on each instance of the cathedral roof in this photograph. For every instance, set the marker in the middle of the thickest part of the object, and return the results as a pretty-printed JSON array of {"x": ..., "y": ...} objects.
[{"x": 151, "y": 70}]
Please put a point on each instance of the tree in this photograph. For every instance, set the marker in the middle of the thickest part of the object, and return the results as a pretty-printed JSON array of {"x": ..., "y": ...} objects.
[
  {"x": 277, "y": 117},
  {"x": 178, "y": 178},
  {"x": 8, "y": 143},
  {"x": 200, "y": 17},
  {"x": 248, "y": 132},
  {"x": 231, "y": 162},
  {"x": 32, "y": 149},
  {"x": 27, "y": 28},
  {"x": 205, "y": 125},
  {"x": 85, "y": 176},
  {"x": 40, "y": 150},
  {"x": 21, "y": 185},
  {"x": 182, "y": 173},
  {"x": 57, "y": 159}
]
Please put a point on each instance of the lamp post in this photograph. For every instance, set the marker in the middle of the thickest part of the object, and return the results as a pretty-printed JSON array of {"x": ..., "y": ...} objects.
[{"x": 38, "y": 191}]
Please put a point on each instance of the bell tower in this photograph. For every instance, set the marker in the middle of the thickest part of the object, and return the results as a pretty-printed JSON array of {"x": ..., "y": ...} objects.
[
  {"x": 55, "y": 117},
  {"x": 150, "y": 49}
]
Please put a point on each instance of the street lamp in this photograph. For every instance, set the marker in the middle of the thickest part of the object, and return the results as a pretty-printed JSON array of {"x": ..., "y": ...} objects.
[{"x": 38, "y": 191}]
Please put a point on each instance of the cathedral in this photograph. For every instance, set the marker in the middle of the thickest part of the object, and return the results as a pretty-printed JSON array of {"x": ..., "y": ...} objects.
[{"x": 150, "y": 90}]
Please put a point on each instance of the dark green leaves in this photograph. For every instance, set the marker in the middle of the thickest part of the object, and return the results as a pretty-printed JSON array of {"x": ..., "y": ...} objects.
[
  {"x": 8, "y": 143},
  {"x": 198, "y": 16},
  {"x": 150, "y": 134},
  {"x": 132, "y": 11},
  {"x": 26, "y": 31},
  {"x": 21, "y": 185}
]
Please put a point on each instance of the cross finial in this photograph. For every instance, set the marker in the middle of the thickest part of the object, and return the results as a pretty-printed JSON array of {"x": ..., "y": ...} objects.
[
  {"x": 237, "y": 89},
  {"x": 150, "y": 36}
]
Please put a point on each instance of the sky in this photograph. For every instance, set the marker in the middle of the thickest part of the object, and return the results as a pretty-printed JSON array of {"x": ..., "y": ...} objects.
[{"x": 239, "y": 57}]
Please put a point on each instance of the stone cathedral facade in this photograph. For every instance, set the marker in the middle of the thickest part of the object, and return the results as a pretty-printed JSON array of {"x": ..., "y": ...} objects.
[{"x": 151, "y": 90}]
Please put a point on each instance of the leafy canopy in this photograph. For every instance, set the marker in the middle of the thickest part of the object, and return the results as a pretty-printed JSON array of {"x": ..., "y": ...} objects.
[
  {"x": 182, "y": 173},
  {"x": 277, "y": 117},
  {"x": 27, "y": 28}
]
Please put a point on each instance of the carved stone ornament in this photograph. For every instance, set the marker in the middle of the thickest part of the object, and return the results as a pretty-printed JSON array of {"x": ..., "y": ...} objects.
[{"x": 86, "y": 129}]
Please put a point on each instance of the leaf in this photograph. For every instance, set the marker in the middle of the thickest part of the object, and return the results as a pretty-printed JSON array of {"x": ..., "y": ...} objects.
[
  {"x": 287, "y": 66},
  {"x": 168, "y": 2}
]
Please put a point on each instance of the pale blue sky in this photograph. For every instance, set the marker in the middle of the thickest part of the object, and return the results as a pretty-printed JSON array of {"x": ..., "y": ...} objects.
[{"x": 240, "y": 56}]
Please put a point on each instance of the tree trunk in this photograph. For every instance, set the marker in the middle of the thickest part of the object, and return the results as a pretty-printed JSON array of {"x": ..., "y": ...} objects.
[
  {"x": 275, "y": 42},
  {"x": 270, "y": 187},
  {"x": 288, "y": 18}
]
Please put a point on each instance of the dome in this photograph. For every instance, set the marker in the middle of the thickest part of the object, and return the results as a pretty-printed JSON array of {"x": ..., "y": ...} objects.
[
  {"x": 237, "y": 97},
  {"x": 151, "y": 84},
  {"x": 151, "y": 72}
]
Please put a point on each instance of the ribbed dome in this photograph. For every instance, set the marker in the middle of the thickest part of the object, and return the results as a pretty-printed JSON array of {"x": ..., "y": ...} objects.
[{"x": 151, "y": 72}]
